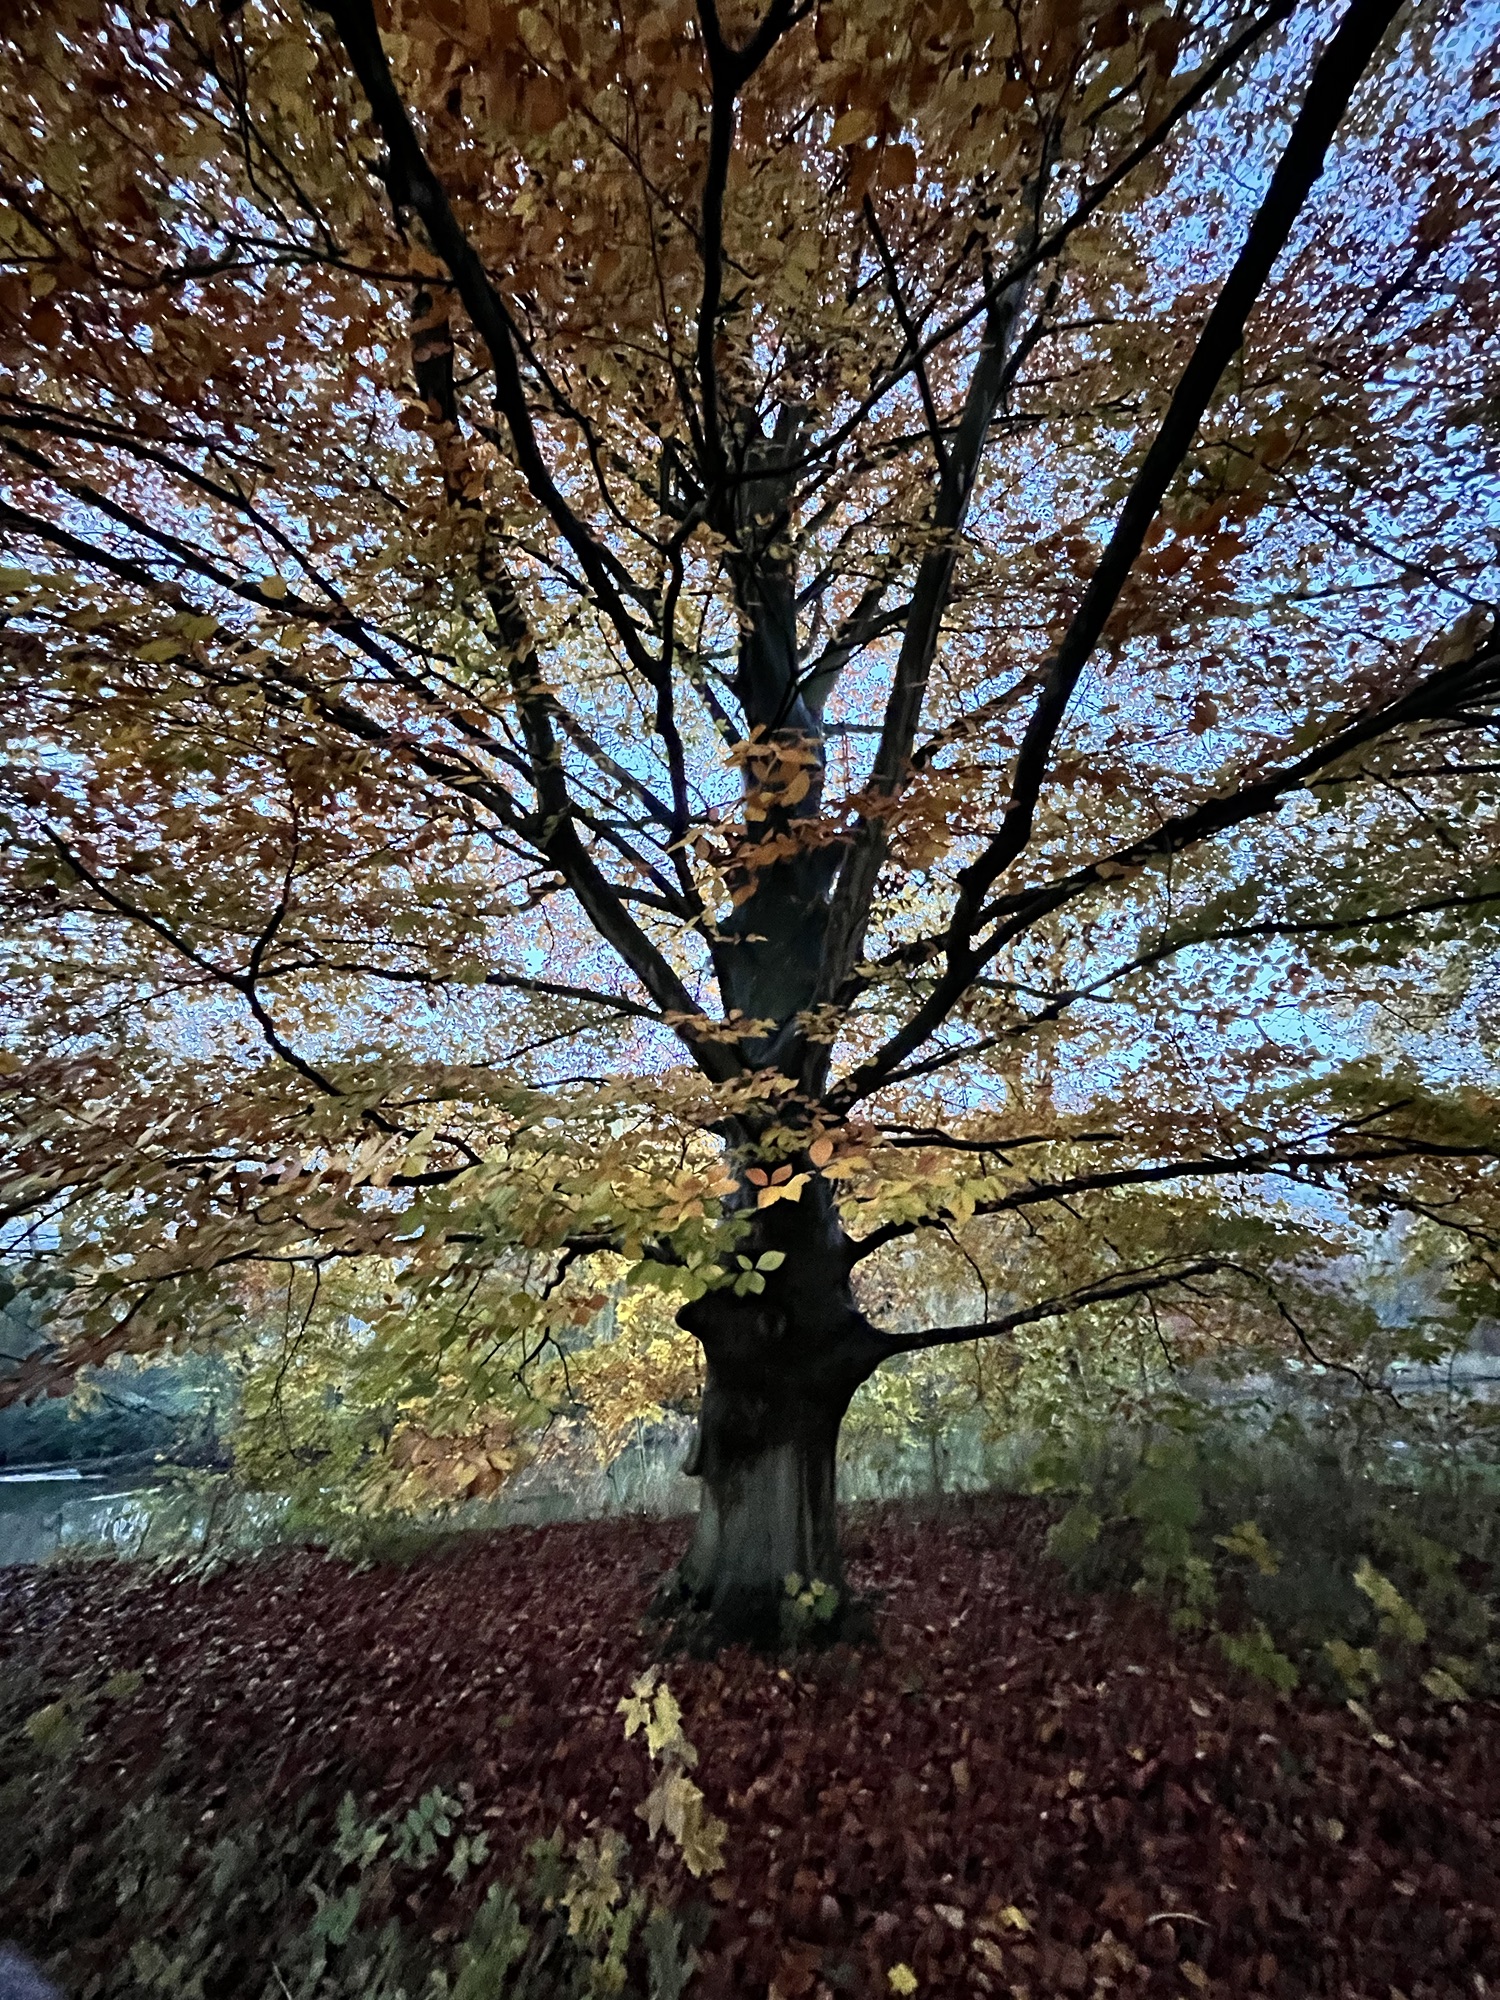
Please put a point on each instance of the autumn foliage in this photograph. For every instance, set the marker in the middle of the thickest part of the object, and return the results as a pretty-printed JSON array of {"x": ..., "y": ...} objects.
[{"x": 837, "y": 659}]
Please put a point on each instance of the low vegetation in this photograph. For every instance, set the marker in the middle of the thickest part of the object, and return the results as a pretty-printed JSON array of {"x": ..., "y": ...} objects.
[
  {"x": 160, "y": 1898},
  {"x": 1360, "y": 1559},
  {"x": 298, "y": 1775}
]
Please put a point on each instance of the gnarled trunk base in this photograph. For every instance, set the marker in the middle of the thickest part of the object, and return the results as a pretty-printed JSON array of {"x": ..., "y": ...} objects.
[{"x": 764, "y": 1566}]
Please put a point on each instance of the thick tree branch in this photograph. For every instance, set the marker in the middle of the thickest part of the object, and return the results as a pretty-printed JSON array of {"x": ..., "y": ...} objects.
[
  {"x": 414, "y": 185},
  {"x": 1335, "y": 77},
  {"x": 552, "y": 831},
  {"x": 1056, "y": 240},
  {"x": 1334, "y": 80},
  {"x": 1124, "y": 1285},
  {"x": 1057, "y": 1003},
  {"x": 1456, "y": 689},
  {"x": 1285, "y": 1162},
  {"x": 958, "y": 471},
  {"x": 557, "y": 837}
]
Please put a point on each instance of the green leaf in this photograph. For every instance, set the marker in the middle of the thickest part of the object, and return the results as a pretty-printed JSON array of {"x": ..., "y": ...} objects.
[
  {"x": 1439, "y": 1682},
  {"x": 54, "y": 1729},
  {"x": 1357, "y": 1666},
  {"x": 1256, "y": 1653},
  {"x": 1399, "y": 1620},
  {"x": 1070, "y": 1538},
  {"x": 469, "y": 1852},
  {"x": 497, "y": 1940},
  {"x": 668, "y": 1966},
  {"x": 336, "y": 1915}
]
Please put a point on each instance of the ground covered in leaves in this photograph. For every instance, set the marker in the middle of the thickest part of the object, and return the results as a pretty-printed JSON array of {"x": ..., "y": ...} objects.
[{"x": 1017, "y": 1791}]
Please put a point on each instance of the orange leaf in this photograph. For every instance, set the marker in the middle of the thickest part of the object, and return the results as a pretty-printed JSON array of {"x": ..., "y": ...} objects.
[
  {"x": 546, "y": 104},
  {"x": 898, "y": 167},
  {"x": 861, "y": 173}
]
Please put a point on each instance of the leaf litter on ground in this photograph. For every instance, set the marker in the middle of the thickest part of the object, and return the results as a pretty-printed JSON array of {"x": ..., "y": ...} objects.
[{"x": 1016, "y": 1791}]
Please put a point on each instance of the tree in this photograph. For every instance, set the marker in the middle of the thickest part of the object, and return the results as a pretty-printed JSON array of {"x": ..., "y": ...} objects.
[{"x": 732, "y": 636}]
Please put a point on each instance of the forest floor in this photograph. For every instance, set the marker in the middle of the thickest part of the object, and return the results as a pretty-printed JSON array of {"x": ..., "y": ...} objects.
[{"x": 1016, "y": 1791}]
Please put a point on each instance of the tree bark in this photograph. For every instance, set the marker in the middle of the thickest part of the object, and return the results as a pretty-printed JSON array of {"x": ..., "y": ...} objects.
[{"x": 781, "y": 1368}]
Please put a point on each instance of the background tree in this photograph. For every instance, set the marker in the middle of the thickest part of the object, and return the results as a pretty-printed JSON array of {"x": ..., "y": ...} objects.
[{"x": 735, "y": 637}]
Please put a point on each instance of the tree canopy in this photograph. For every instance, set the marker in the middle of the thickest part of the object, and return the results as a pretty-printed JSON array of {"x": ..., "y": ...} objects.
[{"x": 708, "y": 642}]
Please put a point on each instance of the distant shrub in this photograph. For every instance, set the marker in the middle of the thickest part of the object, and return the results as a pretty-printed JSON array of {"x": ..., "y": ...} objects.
[{"x": 1318, "y": 1548}]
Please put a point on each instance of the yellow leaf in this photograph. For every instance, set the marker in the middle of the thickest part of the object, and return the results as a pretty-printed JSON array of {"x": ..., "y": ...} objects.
[
  {"x": 665, "y": 1725},
  {"x": 789, "y": 1191},
  {"x": 636, "y": 1706},
  {"x": 902, "y": 1979},
  {"x": 1399, "y": 1618},
  {"x": 961, "y": 1205},
  {"x": 1246, "y": 1540},
  {"x": 680, "y": 1798},
  {"x": 848, "y": 131},
  {"x": 1443, "y": 1685},
  {"x": 675, "y": 1805},
  {"x": 273, "y": 586},
  {"x": 702, "y": 1845},
  {"x": 1014, "y": 1919}
]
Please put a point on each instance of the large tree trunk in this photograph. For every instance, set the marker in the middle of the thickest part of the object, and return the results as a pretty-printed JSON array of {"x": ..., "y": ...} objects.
[
  {"x": 782, "y": 1363},
  {"x": 781, "y": 1368}
]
